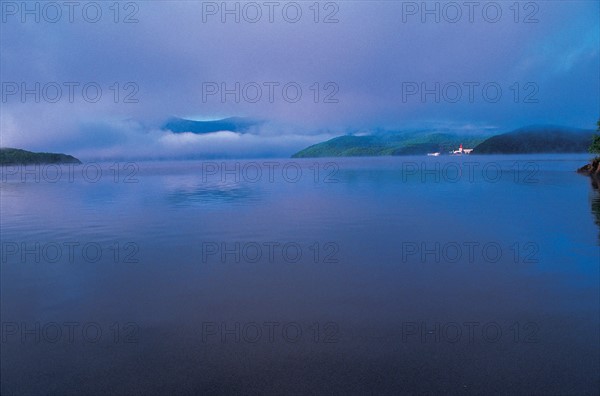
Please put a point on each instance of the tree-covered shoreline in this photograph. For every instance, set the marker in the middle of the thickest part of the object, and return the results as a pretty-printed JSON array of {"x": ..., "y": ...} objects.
[{"x": 13, "y": 156}]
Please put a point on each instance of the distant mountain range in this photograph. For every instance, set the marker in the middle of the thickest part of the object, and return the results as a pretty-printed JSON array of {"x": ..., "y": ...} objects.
[
  {"x": 391, "y": 143},
  {"x": 233, "y": 124},
  {"x": 538, "y": 139},
  {"x": 12, "y": 156},
  {"x": 532, "y": 139}
]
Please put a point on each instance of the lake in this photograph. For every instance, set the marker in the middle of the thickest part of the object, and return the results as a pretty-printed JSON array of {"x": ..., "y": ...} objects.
[{"x": 387, "y": 275}]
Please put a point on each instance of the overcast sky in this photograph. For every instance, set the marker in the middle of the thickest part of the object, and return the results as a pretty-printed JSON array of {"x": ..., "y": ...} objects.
[{"x": 361, "y": 66}]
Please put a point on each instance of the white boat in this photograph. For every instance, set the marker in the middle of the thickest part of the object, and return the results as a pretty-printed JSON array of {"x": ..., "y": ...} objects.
[
  {"x": 461, "y": 151},
  {"x": 433, "y": 154}
]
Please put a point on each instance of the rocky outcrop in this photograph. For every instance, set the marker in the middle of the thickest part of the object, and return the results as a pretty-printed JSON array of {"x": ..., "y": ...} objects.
[{"x": 593, "y": 170}]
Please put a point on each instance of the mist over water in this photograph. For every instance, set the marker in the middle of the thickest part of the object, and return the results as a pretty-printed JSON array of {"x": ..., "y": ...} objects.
[{"x": 341, "y": 276}]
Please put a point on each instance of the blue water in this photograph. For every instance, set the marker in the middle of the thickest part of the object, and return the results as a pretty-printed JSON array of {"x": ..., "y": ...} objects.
[{"x": 458, "y": 275}]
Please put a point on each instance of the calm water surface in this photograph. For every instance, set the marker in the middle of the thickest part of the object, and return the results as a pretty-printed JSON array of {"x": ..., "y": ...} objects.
[{"x": 458, "y": 275}]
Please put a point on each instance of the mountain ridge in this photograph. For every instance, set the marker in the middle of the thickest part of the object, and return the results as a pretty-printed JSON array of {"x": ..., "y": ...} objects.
[
  {"x": 538, "y": 138},
  {"x": 233, "y": 124}
]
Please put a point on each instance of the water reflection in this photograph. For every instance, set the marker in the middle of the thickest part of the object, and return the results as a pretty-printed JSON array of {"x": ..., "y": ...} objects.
[
  {"x": 372, "y": 212},
  {"x": 209, "y": 195},
  {"x": 596, "y": 202},
  {"x": 187, "y": 188},
  {"x": 596, "y": 208}
]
